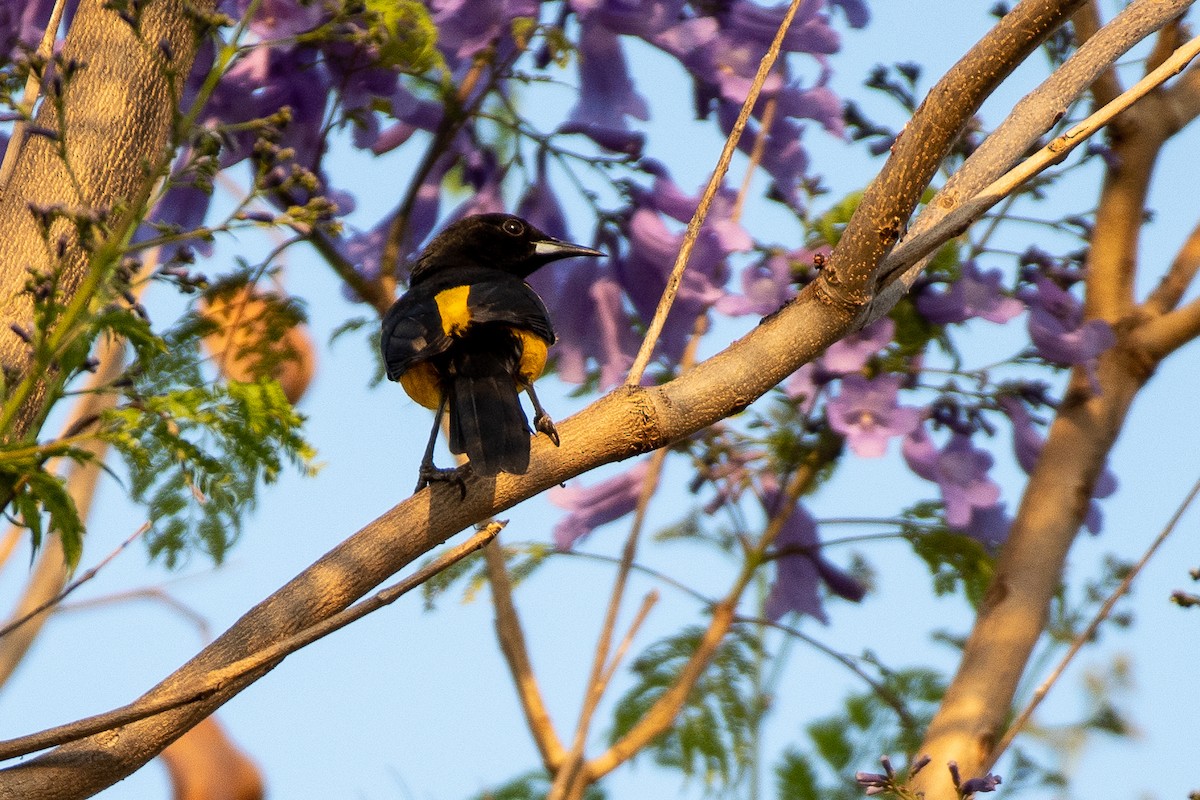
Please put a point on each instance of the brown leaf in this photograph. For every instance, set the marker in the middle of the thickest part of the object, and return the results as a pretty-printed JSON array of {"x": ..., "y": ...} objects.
[
  {"x": 205, "y": 764},
  {"x": 248, "y": 345}
]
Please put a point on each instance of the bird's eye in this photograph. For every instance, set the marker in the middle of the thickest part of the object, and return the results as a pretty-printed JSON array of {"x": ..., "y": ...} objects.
[{"x": 513, "y": 227}]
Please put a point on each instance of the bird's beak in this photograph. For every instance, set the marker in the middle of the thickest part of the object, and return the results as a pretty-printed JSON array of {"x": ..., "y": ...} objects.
[{"x": 553, "y": 249}]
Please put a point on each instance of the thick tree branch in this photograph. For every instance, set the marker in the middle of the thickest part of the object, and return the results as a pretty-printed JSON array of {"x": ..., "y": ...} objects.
[
  {"x": 1032, "y": 117},
  {"x": 629, "y": 421},
  {"x": 119, "y": 109},
  {"x": 1029, "y": 570},
  {"x": 888, "y": 202},
  {"x": 253, "y": 666},
  {"x": 1086, "y": 23}
]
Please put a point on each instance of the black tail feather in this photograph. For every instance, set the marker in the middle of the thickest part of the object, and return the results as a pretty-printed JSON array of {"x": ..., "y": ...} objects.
[{"x": 487, "y": 422}]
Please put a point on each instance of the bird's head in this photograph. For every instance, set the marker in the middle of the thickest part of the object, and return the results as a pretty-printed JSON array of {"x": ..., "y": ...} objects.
[{"x": 497, "y": 241}]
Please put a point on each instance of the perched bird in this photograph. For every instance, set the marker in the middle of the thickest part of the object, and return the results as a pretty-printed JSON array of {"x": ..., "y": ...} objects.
[{"x": 470, "y": 335}]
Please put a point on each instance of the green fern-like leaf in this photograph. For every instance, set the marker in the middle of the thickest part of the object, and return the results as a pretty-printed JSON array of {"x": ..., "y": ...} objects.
[{"x": 711, "y": 738}]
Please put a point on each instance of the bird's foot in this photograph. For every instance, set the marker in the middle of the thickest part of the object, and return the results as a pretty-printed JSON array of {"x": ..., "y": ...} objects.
[
  {"x": 428, "y": 474},
  {"x": 543, "y": 423}
]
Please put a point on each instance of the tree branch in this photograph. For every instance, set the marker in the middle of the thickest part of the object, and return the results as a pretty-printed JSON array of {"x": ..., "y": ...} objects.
[
  {"x": 879, "y": 221},
  {"x": 1086, "y": 23},
  {"x": 254, "y": 665},
  {"x": 512, "y": 644},
  {"x": 1033, "y": 116},
  {"x": 631, "y": 420}
]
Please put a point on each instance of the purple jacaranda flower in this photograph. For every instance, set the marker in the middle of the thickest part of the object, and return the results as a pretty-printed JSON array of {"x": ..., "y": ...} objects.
[
  {"x": 412, "y": 114},
  {"x": 466, "y": 27},
  {"x": 644, "y": 268},
  {"x": 23, "y": 23},
  {"x": 809, "y": 32},
  {"x": 608, "y": 339},
  {"x": 783, "y": 156},
  {"x": 974, "y": 294},
  {"x": 1027, "y": 446},
  {"x": 803, "y": 386},
  {"x": 873, "y": 782},
  {"x": 989, "y": 526},
  {"x": 1058, "y": 330},
  {"x": 867, "y": 413},
  {"x": 960, "y": 471},
  {"x": 766, "y": 285},
  {"x": 856, "y": 12},
  {"x": 590, "y": 316},
  {"x": 593, "y": 506},
  {"x": 799, "y": 574},
  {"x": 987, "y": 783},
  {"x": 818, "y": 103},
  {"x": 851, "y": 353},
  {"x": 606, "y": 93},
  {"x": 281, "y": 19},
  {"x": 644, "y": 18}
]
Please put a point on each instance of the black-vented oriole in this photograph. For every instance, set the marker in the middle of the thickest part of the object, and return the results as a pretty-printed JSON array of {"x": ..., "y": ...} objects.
[{"x": 470, "y": 335}]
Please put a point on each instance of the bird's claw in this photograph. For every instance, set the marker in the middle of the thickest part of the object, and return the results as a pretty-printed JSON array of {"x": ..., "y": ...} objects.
[
  {"x": 543, "y": 423},
  {"x": 430, "y": 474}
]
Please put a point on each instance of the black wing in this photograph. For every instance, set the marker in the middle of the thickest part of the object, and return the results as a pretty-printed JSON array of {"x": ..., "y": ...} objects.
[
  {"x": 512, "y": 302},
  {"x": 412, "y": 333}
]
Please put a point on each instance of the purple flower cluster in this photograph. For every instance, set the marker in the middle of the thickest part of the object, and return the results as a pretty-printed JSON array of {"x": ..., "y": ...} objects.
[
  {"x": 1058, "y": 330},
  {"x": 974, "y": 294},
  {"x": 591, "y": 507},
  {"x": 867, "y": 413},
  {"x": 1027, "y": 446},
  {"x": 960, "y": 469},
  {"x": 801, "y": 569}
]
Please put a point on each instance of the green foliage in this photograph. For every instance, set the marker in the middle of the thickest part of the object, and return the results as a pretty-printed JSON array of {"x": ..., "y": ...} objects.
[
  {"x": 197, "y": 451},
  {"x": 39, "y": 494},
  {"x": 955, "y": 560},
  {"x": 869, "y": 725},
  {"x": 531, "y": 786},
  {"x": 522, "y": 561},
  {"x": 712, "y": 736},
  {"x": 405, "y": 35},
  {"x": 795, "y": 778}
]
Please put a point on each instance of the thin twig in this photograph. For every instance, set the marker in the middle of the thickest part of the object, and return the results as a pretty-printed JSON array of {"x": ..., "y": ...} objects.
[
  {"x": 33, "y": 87},
  {"x": 516, "y": 654},
  {"x": 73, "y": 585},
  {"x": 714, "y": 183},
  {"x": 155, "y": 594},
  {"x": 261, "y": 660},
  {"x": 659, "y": 717},
  {"x": 756, "y": 154},
  {"x": 1087, "y": 633}
]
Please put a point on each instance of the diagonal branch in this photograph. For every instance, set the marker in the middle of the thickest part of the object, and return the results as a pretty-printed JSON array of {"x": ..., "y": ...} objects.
[
  {"x": 256, "y": 664},
  {"x": 1032, "y": 117},
  {"x": 631, "y": 420},
  {"x": 710, "y": 191}
]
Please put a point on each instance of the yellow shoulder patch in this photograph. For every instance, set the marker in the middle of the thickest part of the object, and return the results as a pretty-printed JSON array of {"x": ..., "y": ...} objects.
[{"x": 453, "y": 310}]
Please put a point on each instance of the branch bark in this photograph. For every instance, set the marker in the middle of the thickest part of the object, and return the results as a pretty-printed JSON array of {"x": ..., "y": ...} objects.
[
  {"x": 119, "y": 109},
  {"x": 629, "y": 421}
]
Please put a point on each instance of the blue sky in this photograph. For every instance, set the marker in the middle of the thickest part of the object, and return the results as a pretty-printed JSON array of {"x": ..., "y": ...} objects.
[{"x": 409, "y": 704}]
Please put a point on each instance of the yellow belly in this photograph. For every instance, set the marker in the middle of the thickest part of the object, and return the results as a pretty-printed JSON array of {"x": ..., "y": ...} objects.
[{"x": 422, "y": 384}]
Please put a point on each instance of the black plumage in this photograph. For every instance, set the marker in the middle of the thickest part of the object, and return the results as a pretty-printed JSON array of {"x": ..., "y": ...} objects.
[{"x": 470, "y": 335}]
